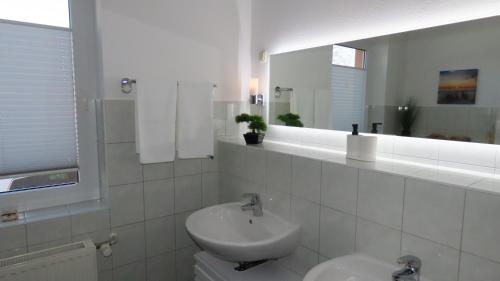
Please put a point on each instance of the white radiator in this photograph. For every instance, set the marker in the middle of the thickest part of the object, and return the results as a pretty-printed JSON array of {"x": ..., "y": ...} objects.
[{"x": 71, "y": 262}]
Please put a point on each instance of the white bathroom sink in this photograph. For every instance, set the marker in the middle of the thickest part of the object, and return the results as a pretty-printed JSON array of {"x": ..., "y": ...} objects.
[
  {"x": 355, "y": 267},
  {"x": 234, "y": 235}
]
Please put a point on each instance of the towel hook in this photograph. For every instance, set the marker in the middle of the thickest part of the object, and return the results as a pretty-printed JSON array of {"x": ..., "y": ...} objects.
[{"x": 127, "y": 85}]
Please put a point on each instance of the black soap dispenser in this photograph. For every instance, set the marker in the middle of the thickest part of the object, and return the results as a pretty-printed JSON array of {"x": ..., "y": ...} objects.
[
  {"x": 375, "y": 127},
  {"x": 355, "y": 131}
]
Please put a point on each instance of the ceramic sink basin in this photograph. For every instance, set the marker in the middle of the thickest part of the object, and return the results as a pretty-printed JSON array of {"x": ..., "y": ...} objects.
[
  {"x": 355, "y": 267},
  {"x": 234, "y": 235}
]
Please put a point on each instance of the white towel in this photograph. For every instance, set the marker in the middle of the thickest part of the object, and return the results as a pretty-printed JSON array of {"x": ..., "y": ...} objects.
[
  {"x": 195, "y": 133},
  {"x": 156, "y": 106}
]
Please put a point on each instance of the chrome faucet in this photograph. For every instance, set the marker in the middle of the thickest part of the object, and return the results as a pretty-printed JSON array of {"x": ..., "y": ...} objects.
[
  {"x": 410, "y": 271},
  {"x": 255, "y": 204}
]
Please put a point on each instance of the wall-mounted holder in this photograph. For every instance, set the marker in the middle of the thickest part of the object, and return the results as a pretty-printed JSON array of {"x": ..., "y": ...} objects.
[
  {"x": 257, "y": 99},
  {"x": 278, "y": 91},
  {"x": 127, "y": 85}
]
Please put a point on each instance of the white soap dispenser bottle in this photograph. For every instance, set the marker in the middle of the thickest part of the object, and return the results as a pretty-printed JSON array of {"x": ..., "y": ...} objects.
[{"x": 359, "y": 147}]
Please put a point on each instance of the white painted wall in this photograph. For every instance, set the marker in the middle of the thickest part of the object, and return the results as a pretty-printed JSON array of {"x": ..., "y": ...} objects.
[{"x": 205, "y": 40}]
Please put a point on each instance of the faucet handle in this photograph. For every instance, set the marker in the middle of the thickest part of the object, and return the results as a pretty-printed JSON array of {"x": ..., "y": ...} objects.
[
  {"x": 410, "y": 261},
  {"x": 254, "y": 197}
]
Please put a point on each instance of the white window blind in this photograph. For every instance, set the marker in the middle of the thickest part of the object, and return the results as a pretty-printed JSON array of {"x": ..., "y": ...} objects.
[
  {"x": 37, "y": 100},
  {"x": 348, "y": 87}
]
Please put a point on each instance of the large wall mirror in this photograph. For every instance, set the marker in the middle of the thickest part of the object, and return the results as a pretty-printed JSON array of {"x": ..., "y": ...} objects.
[{"x": 441, "y": 83}]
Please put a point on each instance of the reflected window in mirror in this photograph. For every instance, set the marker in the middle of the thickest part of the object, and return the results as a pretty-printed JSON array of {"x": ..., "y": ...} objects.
[{"x": 347, "y": 56}]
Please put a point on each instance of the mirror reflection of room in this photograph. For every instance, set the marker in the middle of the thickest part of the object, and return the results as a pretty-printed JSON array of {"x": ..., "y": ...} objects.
[{"x": 440, "y": 83}]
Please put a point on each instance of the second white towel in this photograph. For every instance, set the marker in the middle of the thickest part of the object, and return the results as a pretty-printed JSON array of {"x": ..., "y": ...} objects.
[{"x": 195, "y": 136}]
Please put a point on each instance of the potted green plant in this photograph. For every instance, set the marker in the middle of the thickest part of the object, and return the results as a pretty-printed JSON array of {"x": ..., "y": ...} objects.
[
  {"x": 407, "y": 116},
  {"x": 256, "y": 124},
  {"x": 290, "y": 120}
]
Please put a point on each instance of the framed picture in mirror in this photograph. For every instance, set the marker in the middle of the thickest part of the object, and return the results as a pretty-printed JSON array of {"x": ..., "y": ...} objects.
[{"x": 458, "y": 86}]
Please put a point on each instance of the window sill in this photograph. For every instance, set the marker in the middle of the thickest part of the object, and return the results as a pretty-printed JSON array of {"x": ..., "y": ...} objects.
[{"x": 57, "y": 212}]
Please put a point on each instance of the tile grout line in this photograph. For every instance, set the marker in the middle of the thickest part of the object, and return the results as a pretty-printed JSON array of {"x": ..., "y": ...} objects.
[
  {"x": 462, "y": 237},
  {"x": 358, "y": 174},
  {"x": 402, "y": 218}
]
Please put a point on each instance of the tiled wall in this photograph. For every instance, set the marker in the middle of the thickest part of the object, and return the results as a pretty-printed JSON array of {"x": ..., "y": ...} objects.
[
  {"x": 150, "y": 203},
  {"x": 344, "y": 209},
  {"x": 148, "y": 207},
  {"x": 479, "y": 157}
]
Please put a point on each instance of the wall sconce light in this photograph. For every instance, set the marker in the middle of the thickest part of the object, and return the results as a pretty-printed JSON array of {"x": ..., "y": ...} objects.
[{"x": 255, "y": 97}]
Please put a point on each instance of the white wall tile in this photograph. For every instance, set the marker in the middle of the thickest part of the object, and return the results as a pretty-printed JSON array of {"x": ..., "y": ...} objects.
[
  {"x": 339, "y": 187},
  {"x": 159, "y": 171},
  {"x": 306, "y": 214},
  {"x": 439, "y": 262},
  {"x": 187, "y": 193},
  {"x": 210, "y": 165},
  {"x": 131, "y": 272},
  {"x": 90, "y": 222},
  {"x": 385, "y": 144},
  {"x": 231, "y": 158},
  {"x": 481, "y": 234},
  {"x": 417, "y": 147},
  {"x": 301, "y": 260},
  {"x": 48, "y": 245},
  {"x": 337, "y": 233},
  {"x": 122, "y": 164},
  {"x": 434, "y": 211},
  {"x": 279, "y": 172},
  {"x": 184, "y": 263},
  {"x": 255, "y": 165},
  {"x": 119, "y": 121},
  {"x": 127, "y": 204},
  {"x": 246, "y": 186},
  {"x": 210, "y": 189},
  {"x": 497, "y": 165},
  {"x": 161, "y": 267},
  {"x": 158, "y": 198},
  {"x": 13, "y": 252},
  {"x": 277, "y": 202},
  {"x": 132, "y": 245},
  {"x": 187, "y": 167},
  {"x": 306, "y": 178},
  {"x": 160, "y": 236},
  {"x": 467, "y": 167},
  {"x": 182, "y": 238},
  {"x": 48, "y": 230},
  {"x": 468, "y": 153},
  {"x": 473, "y": 268},
  {"x": 229, "y": 191},
  {"x": 13, "y": 237},
  {"x": 377, "y": 240},
  {"x": 105, "y": 275},
  {"x": 380, "y": 198}
]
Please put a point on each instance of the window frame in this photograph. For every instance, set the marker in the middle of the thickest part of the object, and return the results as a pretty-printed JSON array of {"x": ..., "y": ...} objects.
[{"x": 87, "y": 89}]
